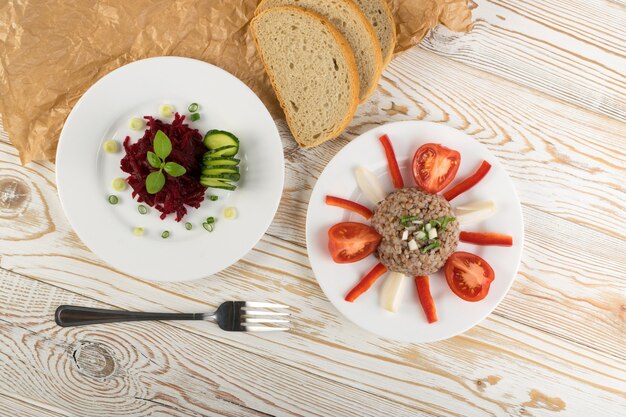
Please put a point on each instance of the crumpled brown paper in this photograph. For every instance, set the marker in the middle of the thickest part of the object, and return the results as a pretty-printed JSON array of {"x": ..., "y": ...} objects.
[{"x": 52, "y": 51}]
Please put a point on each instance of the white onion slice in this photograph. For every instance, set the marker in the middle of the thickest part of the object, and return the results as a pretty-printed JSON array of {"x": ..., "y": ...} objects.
[
  {"x": 474, "y": 212},
  {"x": 392, "y": 291},
  {"x": 369, "y": 185}
]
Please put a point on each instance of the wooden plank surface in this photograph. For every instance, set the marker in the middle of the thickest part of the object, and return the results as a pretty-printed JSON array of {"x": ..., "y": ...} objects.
[
  {"x": 541, "y": 84},
  {"x": 571, "y": 50}
]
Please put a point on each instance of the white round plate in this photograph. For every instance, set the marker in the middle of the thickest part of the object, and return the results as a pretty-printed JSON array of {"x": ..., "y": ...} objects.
[
  {"x": 84, "y": 172},
  {"x": 409, "y": 323}
]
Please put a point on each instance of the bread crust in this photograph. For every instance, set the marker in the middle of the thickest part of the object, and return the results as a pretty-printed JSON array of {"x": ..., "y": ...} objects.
[
  {"x": 389, "y": 14},
  {"x": 394, "y": 38},
  {"x": 378, "y": 55},
  {"x": 351, "y": 66}
]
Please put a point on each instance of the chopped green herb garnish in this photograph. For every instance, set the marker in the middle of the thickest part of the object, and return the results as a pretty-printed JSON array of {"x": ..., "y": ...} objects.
[
  {"x": 142, "y": 209},
  {"x": 406, "y": 220},
  {"x": 194, "y": 117},
  {"x": 174, "y": 169},
  {"x": 434, "y": 245},
  {"x": 193, "y": 107},
  {"x": 445, "y": 221},
  {"x": 165, "y": 234},
  {"x": 154, "y": 160},
  {"x": 213, "y": 198},
  {"x": 162, "y": 149},
  {"x": 188, "y": 226},
  {"x": 113, "y": 199},
  {"x": 208, "y": 227},
  {"x": 210, "y": 220}
]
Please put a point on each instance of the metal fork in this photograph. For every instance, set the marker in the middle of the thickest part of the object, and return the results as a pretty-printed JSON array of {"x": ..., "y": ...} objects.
[{"x": 232, "y": 316}]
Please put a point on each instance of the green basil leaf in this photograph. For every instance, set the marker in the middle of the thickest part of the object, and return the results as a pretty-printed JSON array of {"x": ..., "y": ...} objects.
[
  {"x": 162, "y": 145},
  {"x": 174, "y": 169},
  {"x": 155, "y": 182},
  {"x": 154, "y": 160}
]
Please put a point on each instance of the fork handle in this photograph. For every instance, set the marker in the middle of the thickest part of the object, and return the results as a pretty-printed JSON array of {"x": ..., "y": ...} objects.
[{"x": 67, "y": 316}]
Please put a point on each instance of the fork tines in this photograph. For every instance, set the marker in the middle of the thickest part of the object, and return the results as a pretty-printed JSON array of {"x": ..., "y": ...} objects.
[{"x": 255, "y": 319}]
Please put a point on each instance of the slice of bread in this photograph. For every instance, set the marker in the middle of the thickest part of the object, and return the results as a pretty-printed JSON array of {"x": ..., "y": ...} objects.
[
  {"x": 355, "y": 27},
  {"x": 312, "y": 70},
  {"x": 379, "y": 14}
]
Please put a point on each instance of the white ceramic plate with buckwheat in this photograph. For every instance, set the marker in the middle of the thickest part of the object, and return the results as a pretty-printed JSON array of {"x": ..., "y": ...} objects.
[{"x": 409, "y": 323}]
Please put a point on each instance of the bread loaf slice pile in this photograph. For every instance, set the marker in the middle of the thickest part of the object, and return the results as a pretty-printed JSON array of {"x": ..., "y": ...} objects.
[{"x": 323, "y": 58}]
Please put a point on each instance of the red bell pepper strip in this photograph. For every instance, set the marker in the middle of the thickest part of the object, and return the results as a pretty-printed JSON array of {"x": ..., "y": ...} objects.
[
  {"x": 349, "y": 205},
  {"x": 394, "y": 170},
  {"x": 367, "y": 281},
  {"x": 468, "y": 182},
  {"x": 493, "y": 239},
  {"x": 422, "y": 283}
]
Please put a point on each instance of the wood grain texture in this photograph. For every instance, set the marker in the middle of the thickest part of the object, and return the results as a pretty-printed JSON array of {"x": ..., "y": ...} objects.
[
  {"x": 27, "y": 407},
  {"x": 572, "y": 50},
  {"x": 148, "y": 368},
  {"x": 540, "y": 84},
  {"x": 439, "y": 379}
]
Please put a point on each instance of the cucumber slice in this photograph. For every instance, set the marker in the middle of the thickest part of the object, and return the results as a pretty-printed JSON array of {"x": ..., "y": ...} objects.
[
  {"x": 228, "y": 150},
  {"x": 217, "y": 170},
  {"x": 215, "y": 139},
  {"x": 217, "y": 183},
  {"x": 220, "y": 161},
  {"x": 225, "y": 177}
]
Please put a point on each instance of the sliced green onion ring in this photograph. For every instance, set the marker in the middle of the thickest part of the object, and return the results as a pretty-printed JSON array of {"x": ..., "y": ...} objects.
[
  {"x": 110, "y": 146},
  {"x": 166, "y": 110},
  {"x": 135, "y": 123},
  {"x": 188, "y": 226},
  {"x": 165, "y": 234},
  {"x": 210, "y": 220},
  {"x": 142, "y": 209},
  {"x": 138, "y": 231},
  {"x": 208, "y": 227},
  {"x": 118, "y": 184},
  {"x": 213, "y": 197},
  {"x": 113, "y": 199},
  {"x": 194, "y": 117},
  {"x": 193, "y": 107},
  {"x": 230, "y": 213}
]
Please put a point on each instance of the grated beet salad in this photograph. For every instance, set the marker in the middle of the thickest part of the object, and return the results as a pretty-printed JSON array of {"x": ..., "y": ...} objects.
[{"x": 187, "y": 150}]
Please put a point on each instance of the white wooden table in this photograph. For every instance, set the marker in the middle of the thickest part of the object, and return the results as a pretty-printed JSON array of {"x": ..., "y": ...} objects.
[{"x": 541, "y": 84}]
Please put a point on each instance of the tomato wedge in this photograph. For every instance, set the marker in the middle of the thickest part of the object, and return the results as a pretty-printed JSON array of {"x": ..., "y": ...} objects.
[
  {"x": 349, "y": 205},
  {"x": 394, "y": 170},
  {"x": 494, "y": 239},
  {"x": 422, "y": 283},
  {"x": 469, "y": 276},
  {"x": 435, "y": 166},
  {"x": 468, "y": 182},
  {"x": 350, "y": 241},
  {"x": 366, "y": 283}
]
